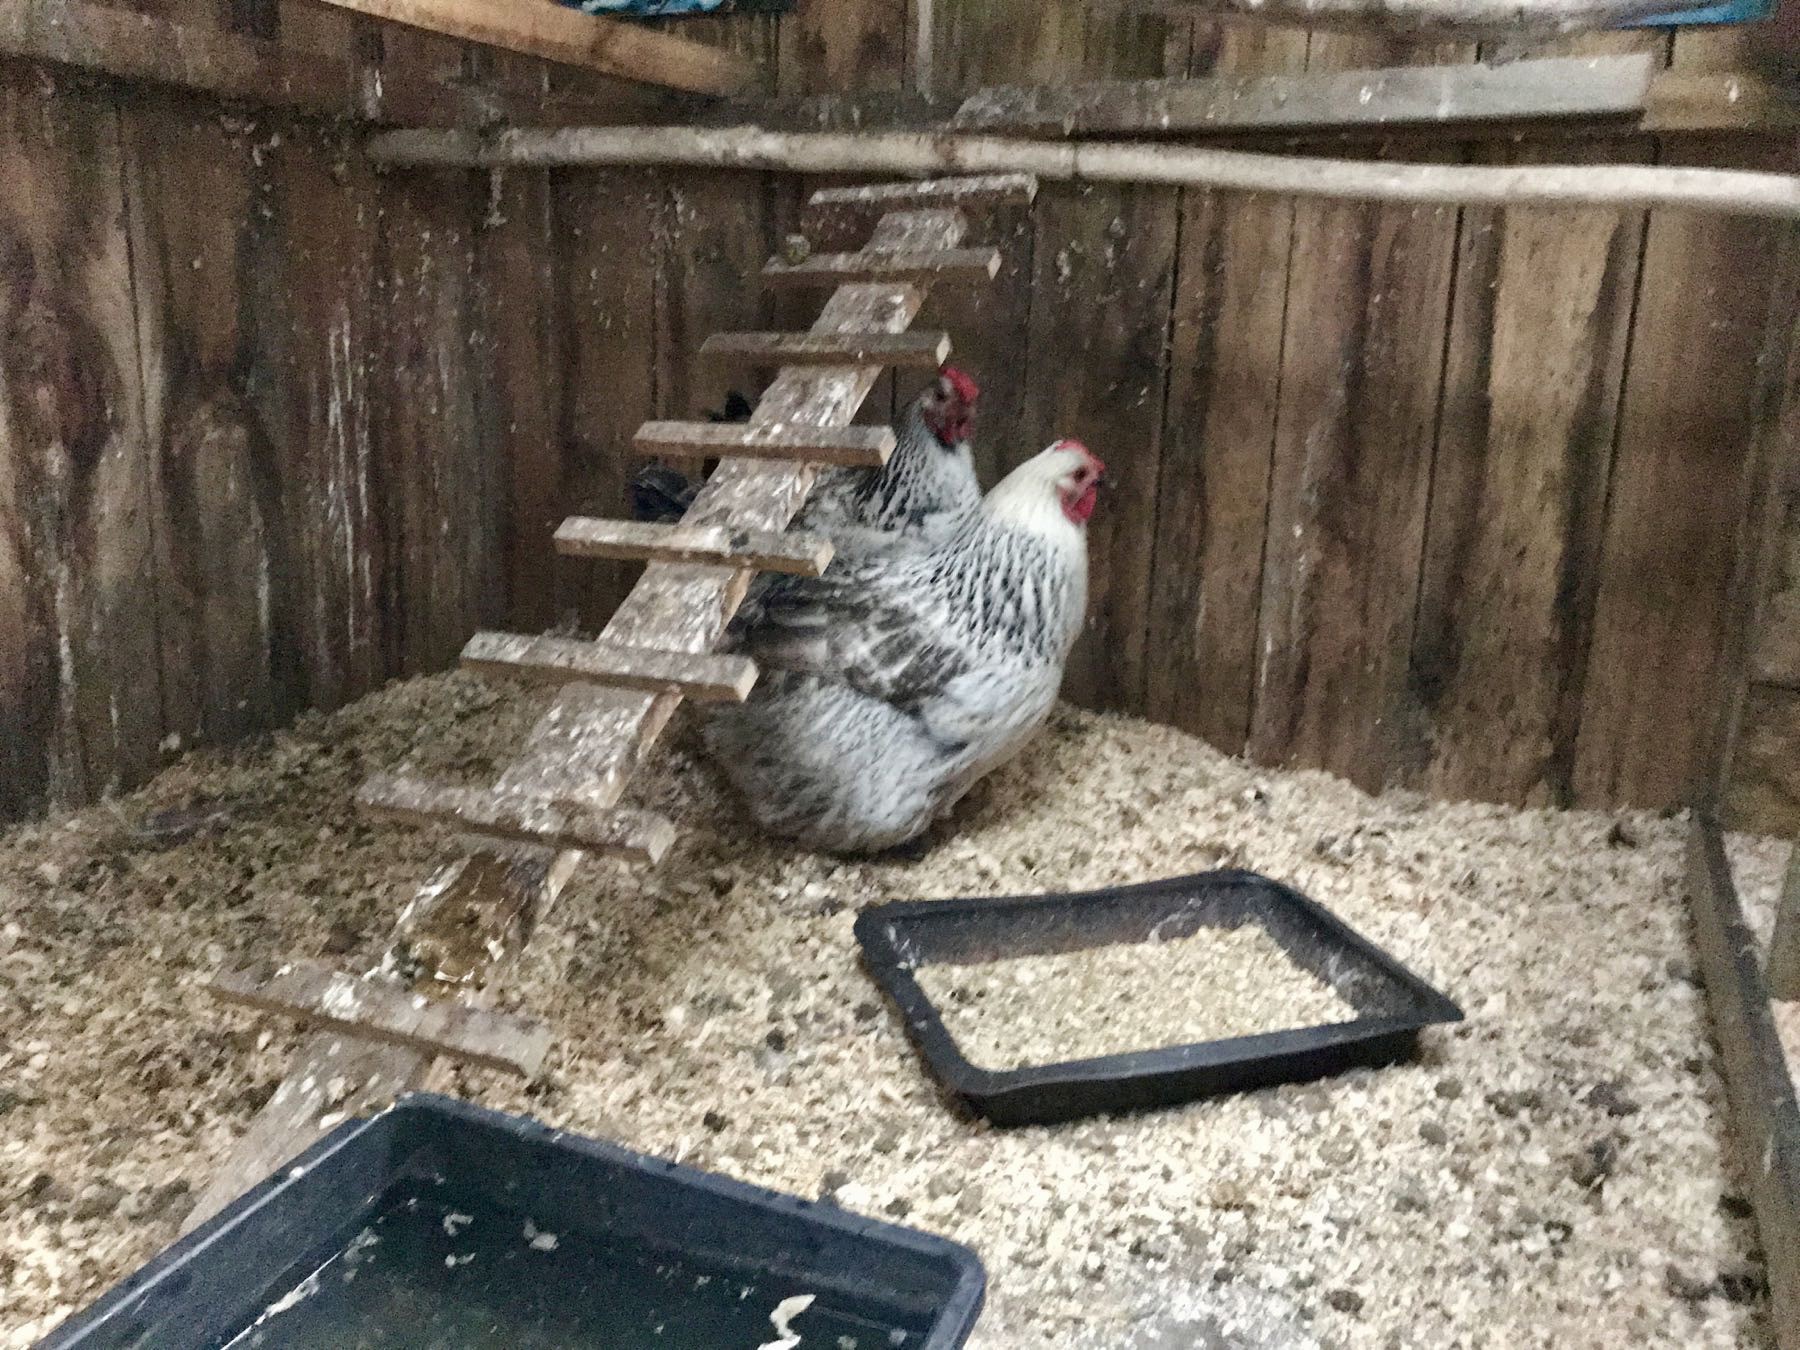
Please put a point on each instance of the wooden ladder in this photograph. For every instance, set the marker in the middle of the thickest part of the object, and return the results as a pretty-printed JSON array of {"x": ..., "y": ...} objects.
[{"x": 560, "y": 799}]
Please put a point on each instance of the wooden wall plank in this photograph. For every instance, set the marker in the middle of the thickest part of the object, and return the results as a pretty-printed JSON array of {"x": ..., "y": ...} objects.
[
  {"x": 713, "y": 247},
  {"x": 521, "y": 387},
  {"x": 194, "y": 191},
  {"x": 1776, "y": 655},
  {"x": 444, "y": 495},
  {"x": 317, "y": 345},
  {"x": 607, "y": 230},
  {"x": 1218, "y": 440},
  {"x": 1518, "y": 499},
  {"x": 1368, "y": 297},
  {"x": 1688, "y": 474},
  {"x": 839, "y": 46},
  {"x": 1764, "y": 793},
  {"x": 1103, "y": 267},
  {"x": 78, "y": 646}
]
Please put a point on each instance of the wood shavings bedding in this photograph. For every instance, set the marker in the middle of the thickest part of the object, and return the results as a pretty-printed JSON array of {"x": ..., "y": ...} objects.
[
  {"x": 1111, "y": 1000},
  {"x": 1549, "y": 1174}
]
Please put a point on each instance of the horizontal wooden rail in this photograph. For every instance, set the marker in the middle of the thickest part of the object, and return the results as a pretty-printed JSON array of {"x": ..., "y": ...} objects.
[
  {"x": 856, "y": 446},
  {"x": 1724, "y": 190},
  {"x": 616, "y": 832},
  {"x": 836, "y": 269},
  {"x": 1558, "y": 87},
  {"x": 910, "y": 350},
  {"x": 704, "y": 676},
  {"x": 635, "y": 540},
  {"x": 385, "y": 1010},
  {"x": 1472, "y": 18}
]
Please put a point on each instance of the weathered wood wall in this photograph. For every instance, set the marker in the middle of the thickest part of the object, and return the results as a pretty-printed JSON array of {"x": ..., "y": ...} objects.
[{"x": 1474, "y": 501}]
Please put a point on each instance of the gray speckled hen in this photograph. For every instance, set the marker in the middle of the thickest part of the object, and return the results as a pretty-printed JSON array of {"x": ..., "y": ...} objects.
[{"x": 891, "y": 684}]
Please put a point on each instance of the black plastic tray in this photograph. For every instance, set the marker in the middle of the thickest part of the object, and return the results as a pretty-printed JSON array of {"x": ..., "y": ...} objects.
[
  {"x": 1392, "y": 1003},
  {"x": 213, "y": 1284}
]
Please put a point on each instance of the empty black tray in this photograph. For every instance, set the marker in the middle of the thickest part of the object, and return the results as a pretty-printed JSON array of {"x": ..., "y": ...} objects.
[
  {"x": 438, "y": 1223},
  {"x": 1392, "y": 1003}
]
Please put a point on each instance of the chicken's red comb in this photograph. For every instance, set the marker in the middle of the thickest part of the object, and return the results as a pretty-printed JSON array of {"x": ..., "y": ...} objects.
[{"x": 960, "y": 380}]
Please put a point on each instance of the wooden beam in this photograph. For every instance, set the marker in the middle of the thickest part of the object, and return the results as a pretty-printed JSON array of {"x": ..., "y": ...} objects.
[
  {"x": 1717, "y": 100},
  {"x": 836, "y": 269},
  {"x": 1444, "y": 18},
  {"x": 385, "y": 1010},
  {"x": 1784, "y": 946},
  {"x": 636, "y": 836},
  {"x": 1565, "y": 87},
  {"x": 856, "y": 446},
  {"x": 1728, "y": 191},
  {"x": 704, "y": 676},
  {"x": 130, "y": 45},
  {"x": 1764, "y": 1117},
  {"x": 803, "y": 555},
  {"x": 910, "y": 351},
  {"x": 569, "y": 37}
]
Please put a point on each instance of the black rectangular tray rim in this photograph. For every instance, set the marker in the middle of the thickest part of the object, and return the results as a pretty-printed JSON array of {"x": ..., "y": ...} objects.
[
  {"x": 961, "y": 1309},
  {"x": 986, "y": 1088}
]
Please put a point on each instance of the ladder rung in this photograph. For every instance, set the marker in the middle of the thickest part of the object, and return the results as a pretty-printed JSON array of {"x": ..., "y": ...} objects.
[
  {"x": 911, "y": 349},
  {"x": 831, "y": 269},
  {"x": 706, "y": 676},
  {"x": 860, "y": 447},
  {"x": 992, "y": 189},
  {"x": 762, "y": 550},
  {"x": 384, "y": 1010},
  {"x": 640, "y": 836}
]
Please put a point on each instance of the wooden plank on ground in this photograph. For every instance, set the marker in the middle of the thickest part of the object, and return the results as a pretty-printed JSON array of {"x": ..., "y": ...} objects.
[
  {"x": 759, "y": 550},
  {"x": 1532, "y": 385},
  {"x": 703, "y": 676},
  {"x": 636, "y": 836},
  {"x": 1394, "y": 96},
  {"x": 570, "y": 37},
  {"x": 1765, "y": 1120},
  {"x": 913, "y": 351},
  {"x": 382, "y": 1009},
  {"x": 831, "y": 269},
  {"x": 1225, "y": 341},
  {"x": 1363, "y": 354},
  {"x": 1784, "y": 944},
  {"x": 864, "y": 447},
  {"x": 79, "y": 656}
]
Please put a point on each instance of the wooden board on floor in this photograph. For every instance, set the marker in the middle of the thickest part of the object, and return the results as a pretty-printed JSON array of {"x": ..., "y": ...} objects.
[
  {"x": 1764, "y": 1118},
  {"x": 1225, "y": 338}
]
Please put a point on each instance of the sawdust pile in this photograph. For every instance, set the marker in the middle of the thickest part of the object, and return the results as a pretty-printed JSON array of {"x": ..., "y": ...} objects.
[
  {"x": 1549, "y": 1175},
  {"x": 1111, "y": 1000}
]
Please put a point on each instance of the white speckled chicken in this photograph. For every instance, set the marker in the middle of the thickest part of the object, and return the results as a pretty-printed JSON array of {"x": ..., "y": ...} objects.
[
  {"x": 928, "y": 481},
  {"x": 894, "y": 682}
]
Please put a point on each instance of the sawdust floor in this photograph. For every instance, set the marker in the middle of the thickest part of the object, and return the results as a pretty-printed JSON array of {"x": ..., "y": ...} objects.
[{"x": 1549, "y": 1174}]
